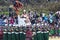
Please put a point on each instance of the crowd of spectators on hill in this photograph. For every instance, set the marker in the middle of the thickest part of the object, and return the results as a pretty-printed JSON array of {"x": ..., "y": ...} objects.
[
  {"x": 33, "y": 18},
  {"x": 51, "y": 21}
]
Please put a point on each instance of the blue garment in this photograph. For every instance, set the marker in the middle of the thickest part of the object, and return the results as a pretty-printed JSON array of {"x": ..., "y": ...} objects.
[
  {"x": 50, "y": 20},
  {"x": 45, "y": 18},
  {"x": 2, "y": 23}
]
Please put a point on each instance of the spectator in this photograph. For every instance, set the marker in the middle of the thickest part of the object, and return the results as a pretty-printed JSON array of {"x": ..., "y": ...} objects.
[{"x": 29, "y": 34}]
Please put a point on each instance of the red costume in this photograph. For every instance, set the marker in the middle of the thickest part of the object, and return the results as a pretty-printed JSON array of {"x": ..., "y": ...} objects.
[
  {"x": 1, "y": 33},
  {"x": 28, "y": 35},
  {"x": 17, "y": 6}
]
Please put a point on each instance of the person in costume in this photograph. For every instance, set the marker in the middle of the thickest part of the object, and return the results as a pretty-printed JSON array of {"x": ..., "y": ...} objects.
[
  {"x": 29, "y": 34},
  {"x": 17, "y": 5}
]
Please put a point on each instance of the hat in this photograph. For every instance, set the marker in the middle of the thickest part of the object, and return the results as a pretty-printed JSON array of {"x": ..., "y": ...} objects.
[{"x": 24, "y": 10}]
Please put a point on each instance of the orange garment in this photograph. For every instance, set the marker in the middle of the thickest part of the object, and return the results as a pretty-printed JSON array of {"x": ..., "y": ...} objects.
[{"x": 17, "y": 6}]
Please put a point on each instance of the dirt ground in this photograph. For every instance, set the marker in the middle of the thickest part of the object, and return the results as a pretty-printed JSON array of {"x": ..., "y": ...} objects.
[{"x": 56, "y": 38}]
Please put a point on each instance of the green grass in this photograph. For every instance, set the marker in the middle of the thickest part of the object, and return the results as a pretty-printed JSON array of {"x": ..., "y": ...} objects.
[
  {"x": 4, "y": 13},
  {"x": 39, "y": 10}
]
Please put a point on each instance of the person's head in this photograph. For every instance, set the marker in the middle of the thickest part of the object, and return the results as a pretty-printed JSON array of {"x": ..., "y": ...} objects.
[
  {"x": 24, "y": 11},
  {"x": 43, "y": 14},
  {"x": 51, "y": 13},
  {"x": 28, "y": 11}
]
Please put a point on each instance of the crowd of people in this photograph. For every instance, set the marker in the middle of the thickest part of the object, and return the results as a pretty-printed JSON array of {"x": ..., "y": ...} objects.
[{"x": 50, "y": 22}]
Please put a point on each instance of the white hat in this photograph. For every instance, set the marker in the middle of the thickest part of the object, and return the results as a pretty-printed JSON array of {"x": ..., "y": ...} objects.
[
  {"x": 24, "y": 10},
  {"x": 43, "y": 14}
]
